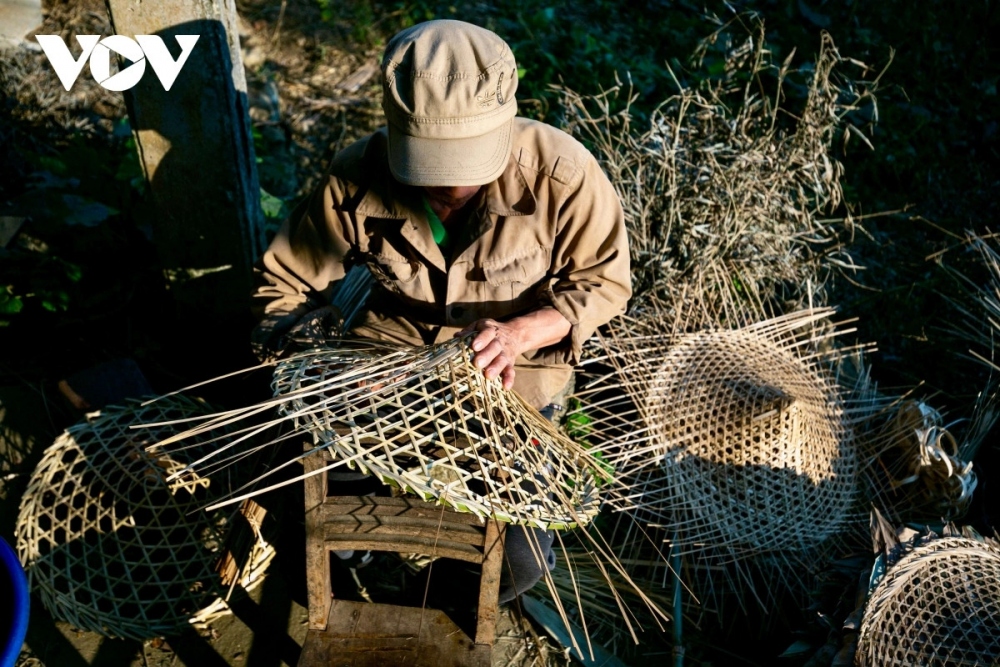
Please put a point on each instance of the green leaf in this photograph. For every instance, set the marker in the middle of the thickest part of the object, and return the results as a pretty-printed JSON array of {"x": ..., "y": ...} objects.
[
  {"x": 273, "y": 207},
  {"x": 10, "y": 303}
]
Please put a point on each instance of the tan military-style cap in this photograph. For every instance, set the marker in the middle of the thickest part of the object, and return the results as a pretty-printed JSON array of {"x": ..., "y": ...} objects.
[{"x": 448, "y": 96}]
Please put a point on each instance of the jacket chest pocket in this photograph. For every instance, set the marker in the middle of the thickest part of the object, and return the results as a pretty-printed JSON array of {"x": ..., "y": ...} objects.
[{"x": 516, "y": 278}]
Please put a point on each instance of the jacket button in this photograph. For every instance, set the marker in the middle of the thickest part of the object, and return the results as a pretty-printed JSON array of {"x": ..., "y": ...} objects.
[{"x": 457, "y": 311}]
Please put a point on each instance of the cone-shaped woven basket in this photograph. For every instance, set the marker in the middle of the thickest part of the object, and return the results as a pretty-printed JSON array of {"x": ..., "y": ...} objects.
[
  {"x": 736, "y": 448},
  {"x": 429, "y": 422},
  {"x": 111, "y": 545},
  {"x": 751, "y": 447},
  {"x": 426, "y": 421},
  {"x": 939, "y": 605}
]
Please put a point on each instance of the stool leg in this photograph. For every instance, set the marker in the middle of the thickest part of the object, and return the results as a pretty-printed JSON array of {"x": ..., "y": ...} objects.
[
  {"x": 489, "y": 587},
  {"x": 317, "y": 558}
]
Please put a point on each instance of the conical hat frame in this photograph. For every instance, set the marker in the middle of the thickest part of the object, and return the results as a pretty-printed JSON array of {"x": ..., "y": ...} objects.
[
  {"x": 737, "y": 447},
  {"x": 427, "y": 421}
]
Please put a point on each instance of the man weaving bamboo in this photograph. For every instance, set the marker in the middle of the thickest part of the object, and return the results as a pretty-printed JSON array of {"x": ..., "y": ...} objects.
[{"x": 470, "y": 218}]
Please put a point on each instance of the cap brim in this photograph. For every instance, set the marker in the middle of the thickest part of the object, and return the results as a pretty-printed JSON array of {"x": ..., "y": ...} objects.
[{"x": 449, "y": 162}]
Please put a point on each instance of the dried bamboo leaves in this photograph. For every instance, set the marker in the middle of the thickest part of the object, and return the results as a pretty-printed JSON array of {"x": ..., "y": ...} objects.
[{"x": 723, "y": 201}]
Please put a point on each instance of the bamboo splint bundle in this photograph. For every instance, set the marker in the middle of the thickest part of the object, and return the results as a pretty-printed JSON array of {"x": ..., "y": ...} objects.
[{"x": 114, "y": 542}]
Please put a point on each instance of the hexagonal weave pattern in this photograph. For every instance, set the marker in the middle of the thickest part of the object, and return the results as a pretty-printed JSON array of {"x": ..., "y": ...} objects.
[
  {"x": 110, "y": 545},
  {"x": 426, "y": 420},
  {"x": 939, "y": 605}
]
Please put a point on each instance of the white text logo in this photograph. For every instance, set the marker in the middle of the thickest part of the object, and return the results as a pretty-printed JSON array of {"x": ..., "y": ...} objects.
[{"x": 149, "y": 47}]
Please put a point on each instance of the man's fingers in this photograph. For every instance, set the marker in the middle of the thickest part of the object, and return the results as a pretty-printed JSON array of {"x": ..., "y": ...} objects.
[
  {"x": 508, "y": 377},
  {"x": 484, "y": 338},
  {"x": 496, "y": 367},
  {"x": 488, "y": 354},
  {"x": 492, "y": 355}
]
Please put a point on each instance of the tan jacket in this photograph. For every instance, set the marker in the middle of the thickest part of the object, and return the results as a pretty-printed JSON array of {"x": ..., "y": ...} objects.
[{"x": 549, "y": 231}]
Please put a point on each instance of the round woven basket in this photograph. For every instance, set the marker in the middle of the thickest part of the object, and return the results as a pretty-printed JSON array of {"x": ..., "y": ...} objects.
[
  {"x": 755, "y": 453},
  {"x": 427, "y": 421},
  {"x": 939, "y": 605},
  {"x": 738, "y": 450},
  {"x": 111, "y": 545}
]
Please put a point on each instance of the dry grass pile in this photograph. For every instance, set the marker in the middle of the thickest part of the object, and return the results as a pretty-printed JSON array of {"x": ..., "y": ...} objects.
[
  {"x": 33, "y": 99},
  {"x": 724, "y": 190}
]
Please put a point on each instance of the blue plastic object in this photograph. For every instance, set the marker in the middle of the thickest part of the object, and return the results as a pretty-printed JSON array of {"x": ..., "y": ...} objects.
[{"x": 14, "y": 605}]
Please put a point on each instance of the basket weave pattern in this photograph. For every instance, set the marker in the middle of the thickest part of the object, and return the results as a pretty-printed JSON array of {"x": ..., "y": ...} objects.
[
  {"x": 939, "y": 605},
  {"x": 427, "y": 421},
  {"x": 756, "y": 453},
  {"x": 110, "y": 544},
  {"x": 738, "y": 450}
]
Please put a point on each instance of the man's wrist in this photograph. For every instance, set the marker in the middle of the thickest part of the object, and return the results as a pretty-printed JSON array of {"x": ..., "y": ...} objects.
[{"x": 539, "y": 328}]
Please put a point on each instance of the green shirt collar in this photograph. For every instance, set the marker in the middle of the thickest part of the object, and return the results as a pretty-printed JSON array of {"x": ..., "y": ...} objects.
[{"x": 438, "y": 231}]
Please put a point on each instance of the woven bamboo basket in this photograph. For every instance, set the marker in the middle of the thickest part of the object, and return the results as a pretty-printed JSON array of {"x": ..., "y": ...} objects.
[
  {"x": 738, "y": 451},
  {"x": 428, "y": 422},
  {"x": 751, "y": 450},
  {"x": 112, "y": 546},
  {"x": 938, "y": 605}
]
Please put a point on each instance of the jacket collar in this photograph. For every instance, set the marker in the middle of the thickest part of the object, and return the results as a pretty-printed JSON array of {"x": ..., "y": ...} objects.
[{"x": 508, "y": 196}]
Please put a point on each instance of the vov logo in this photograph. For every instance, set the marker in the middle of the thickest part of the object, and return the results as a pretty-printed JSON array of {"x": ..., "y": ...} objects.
[{"x": 139, "y": 50}]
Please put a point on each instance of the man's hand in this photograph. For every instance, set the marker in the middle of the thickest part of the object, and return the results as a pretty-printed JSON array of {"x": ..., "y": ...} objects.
[{"x": 498, "y": 344}]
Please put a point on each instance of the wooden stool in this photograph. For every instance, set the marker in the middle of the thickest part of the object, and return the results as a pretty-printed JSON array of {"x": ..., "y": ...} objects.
[{"x": 356, "y": 634}]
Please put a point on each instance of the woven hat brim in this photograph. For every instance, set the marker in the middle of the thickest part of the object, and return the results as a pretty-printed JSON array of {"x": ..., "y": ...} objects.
[{"x": 449, "y": 162}]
